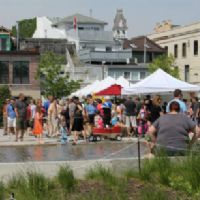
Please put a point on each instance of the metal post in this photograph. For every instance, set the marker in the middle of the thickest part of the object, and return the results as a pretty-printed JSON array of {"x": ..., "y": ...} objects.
[
  {"x": 139, "y": 157},
  {"x": 17, "y": 29},
  {"x": 145, "y": 50}
]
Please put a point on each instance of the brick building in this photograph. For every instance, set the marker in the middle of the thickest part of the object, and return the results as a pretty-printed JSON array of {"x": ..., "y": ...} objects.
[{"x": 18, "y": 71}]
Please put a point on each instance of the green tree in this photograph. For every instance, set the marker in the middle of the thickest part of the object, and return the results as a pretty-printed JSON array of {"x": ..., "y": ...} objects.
[
  {"x": 27, "y": 28},
  {"x": 166, "y": 63},
  {"x": 53, "y": 80},
  {"x": 4, "y": 94}
]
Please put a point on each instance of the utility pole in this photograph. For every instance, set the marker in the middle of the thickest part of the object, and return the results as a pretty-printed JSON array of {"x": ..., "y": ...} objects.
[
  {"x": 17, "y": 29},
  {"x": 145, "y": 49}
]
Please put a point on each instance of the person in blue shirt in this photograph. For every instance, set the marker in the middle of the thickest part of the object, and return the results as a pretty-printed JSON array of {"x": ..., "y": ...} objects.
[
  {"x": 178, "y": 98},
  {"x": 91, "y": 110},
  {"x": 11, "y": 116}
]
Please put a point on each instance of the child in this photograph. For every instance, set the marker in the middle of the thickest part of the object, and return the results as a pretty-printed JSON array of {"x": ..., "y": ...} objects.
[
  {"x": 98, "y": 121},
  {"x": 63, "y": 129},
  {"x": 142, "y": 121},
  {"x": 38, "y": 127}
]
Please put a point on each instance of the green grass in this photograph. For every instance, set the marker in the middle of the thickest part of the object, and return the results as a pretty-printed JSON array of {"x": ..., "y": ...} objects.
[
  {"x": 101, "y": 173},
  {"x": 66, "y": 178},
  {"x": 157, "y": 176}
]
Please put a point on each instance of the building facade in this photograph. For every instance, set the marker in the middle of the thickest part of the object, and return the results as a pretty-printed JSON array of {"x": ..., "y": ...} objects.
[
  {"x": 18, "y": 71},
  {"x": 5, "y": 39},
  {"x": 183, "y": 42},
  {"x": 120, "y": 26}
]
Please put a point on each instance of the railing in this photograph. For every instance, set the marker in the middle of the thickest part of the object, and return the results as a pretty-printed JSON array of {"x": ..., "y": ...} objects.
[{"x": 118, "y": 56}]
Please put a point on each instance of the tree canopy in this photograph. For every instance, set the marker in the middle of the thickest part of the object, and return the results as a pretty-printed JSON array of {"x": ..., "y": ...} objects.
[
  {"x": 52, "y": 78},
  {"x": 27, "y": 28},
  {"x": 166, "y": 63}
]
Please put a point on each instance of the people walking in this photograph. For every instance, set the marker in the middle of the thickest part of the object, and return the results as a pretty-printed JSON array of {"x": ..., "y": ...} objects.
[
  {"x": 5, "y": 120},
  {"x": 38, "y": 125},
  {"x": 21, "y": 111},
  {"x": 11, "y": 118}
]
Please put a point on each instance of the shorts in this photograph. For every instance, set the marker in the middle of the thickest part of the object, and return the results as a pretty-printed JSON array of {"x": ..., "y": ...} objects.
[
  {"x": 11, "y": 122},
  {"x": 30, "y": 123},
  {"x": 131, "y": 121},
  {"x": 91, "y": 118},
  {"x": 21, "y": 124}
]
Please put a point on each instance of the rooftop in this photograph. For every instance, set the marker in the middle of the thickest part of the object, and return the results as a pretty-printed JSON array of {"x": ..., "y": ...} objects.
[
  {"x": 81, "y": 19},
  {"x": 4, "y": 30},
  {"x": 137, "y": 44}
]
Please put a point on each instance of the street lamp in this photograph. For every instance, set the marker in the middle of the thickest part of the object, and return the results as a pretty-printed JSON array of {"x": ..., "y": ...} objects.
[{"x": 103, "y": 71}]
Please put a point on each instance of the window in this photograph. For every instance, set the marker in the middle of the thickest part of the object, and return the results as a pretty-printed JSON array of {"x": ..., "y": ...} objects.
[
  {"x": 184, "y": 50},
  {"x": 127, "y": 75},
  {"x": 187, "y": 73},
  {"x": 3, "y": 44},
  {"x": 142, "y": 75},
  {"x": 135, "y": 76},
  {"x": 196, "y": 47},
  {"x": 176, "y": 51},
  {"x": 4, "y": 72},
  {"x": 108, "y": 49},
  {"x": 21, "y": 72}
]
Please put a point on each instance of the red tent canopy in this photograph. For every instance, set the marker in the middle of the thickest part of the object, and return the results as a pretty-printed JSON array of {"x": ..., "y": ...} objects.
[{"x": 113, "y": 90}]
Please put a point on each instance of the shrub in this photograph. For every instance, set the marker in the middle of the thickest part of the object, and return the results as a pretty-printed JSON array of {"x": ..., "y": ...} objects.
[
  {"x": 101, "y": 173},
  {"x": 37, "y": 184},
  {"x": 153, "y": 193},
  {"x": 2, "y": 191},
  {"x": 66, "y": 178}
]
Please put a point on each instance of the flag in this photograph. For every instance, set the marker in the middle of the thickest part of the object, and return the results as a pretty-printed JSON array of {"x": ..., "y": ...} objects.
[{"x": 75, "y": 23}]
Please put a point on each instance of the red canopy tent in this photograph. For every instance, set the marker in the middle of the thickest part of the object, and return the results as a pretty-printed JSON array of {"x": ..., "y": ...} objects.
[{"x": 113, "y": 90}]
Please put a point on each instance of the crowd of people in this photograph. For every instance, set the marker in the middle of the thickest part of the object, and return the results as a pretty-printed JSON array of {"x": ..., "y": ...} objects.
[{"x": 77, "y": 117}]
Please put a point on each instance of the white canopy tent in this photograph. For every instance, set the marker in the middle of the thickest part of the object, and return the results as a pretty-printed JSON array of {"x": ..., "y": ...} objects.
[
  {"x": 123, "y": 82},
  {"x": 159, "y": 82},
  {"x": 98, "y": 86},
  {"x": 86, "y": 90},
  {"x": 107, "y": 82}
]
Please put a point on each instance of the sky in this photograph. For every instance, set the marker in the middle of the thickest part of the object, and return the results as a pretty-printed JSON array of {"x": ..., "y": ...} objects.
[{"x": 141, "y": 15}]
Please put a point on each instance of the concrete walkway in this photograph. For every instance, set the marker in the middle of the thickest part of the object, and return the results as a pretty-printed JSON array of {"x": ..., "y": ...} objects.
[{"x": 6, "y": 140}]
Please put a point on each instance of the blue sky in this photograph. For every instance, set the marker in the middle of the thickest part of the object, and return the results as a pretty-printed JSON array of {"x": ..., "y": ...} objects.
[{"x": 142, "y": 15}]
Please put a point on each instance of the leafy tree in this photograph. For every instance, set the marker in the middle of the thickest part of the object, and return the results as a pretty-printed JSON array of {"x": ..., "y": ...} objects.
[
  {"x": 166, "y": 63},
  {"x": 4, "y": 94},
  {"x": 53, "y": 80},
  {"x": 27, "y": 28}
]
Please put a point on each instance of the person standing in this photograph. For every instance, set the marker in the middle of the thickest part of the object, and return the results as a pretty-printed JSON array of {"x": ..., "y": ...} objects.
[
  {"x": 156, "y": 110},
  {"x": 107, "y": 106},
  {"x": 5, "y": 120},
  {"x": 72, "y": 107},
  {"x": 90, "y": 111},
  {"x": 78, "y": 122},
  {"x": 20, "y": 110},
  {"x": 53, "y": 118},
  {"x": 130, "y": 112},
  {"x": 31, "y": 109},
  {"x": 38, "y": 126},
  {"x": 178, "y": 98},
  {"x": 11, "y": 117}
]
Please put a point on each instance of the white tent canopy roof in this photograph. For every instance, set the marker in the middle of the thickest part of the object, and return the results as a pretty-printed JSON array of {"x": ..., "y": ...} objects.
[
  {"x": 123, "y": 82},
  {"x": 159, "y": 82},
  {"x": 107, "y": 82}
]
